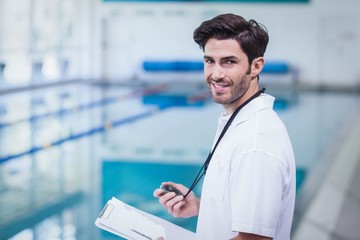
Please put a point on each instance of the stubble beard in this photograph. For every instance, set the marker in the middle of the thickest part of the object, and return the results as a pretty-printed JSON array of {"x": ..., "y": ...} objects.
[{"x": 234, "y": 94}]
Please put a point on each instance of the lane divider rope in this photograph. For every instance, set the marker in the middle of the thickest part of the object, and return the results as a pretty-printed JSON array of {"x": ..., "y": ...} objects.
[
  {"x": 106, "y": 126},
  {"x": 82, "y": 107}
]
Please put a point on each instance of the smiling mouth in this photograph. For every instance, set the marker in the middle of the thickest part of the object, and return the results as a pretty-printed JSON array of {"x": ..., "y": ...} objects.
[{"x": 219, "y": 87}]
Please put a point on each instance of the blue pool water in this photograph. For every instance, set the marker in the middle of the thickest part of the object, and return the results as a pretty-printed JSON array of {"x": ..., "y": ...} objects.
[{"x": 65, "y": 151}]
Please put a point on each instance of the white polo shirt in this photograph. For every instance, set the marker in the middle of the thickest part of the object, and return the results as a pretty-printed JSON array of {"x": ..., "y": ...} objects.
[{"x": 250, "y": 182}]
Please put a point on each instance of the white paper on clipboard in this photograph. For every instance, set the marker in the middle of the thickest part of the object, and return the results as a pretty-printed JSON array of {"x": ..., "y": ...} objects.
[{"x": 131, "y": 223}]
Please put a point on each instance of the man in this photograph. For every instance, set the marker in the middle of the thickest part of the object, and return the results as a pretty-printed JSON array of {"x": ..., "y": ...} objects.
[{"x": 249, "y": 187}]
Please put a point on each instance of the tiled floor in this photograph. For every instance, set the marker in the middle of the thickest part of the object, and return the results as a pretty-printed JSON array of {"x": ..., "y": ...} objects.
[
  {"x": 348, "y": 221},
  {"x": 334, "y": 212}
]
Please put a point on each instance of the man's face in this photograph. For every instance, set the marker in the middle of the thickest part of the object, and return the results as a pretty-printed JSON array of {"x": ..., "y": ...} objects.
[{"x": 227, "y": 71}]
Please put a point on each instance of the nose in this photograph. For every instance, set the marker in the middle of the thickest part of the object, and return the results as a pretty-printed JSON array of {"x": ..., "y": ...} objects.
[{"x": 217, "y": 72}]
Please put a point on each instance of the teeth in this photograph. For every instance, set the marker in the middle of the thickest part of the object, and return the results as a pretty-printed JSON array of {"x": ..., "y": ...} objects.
[{"x": 218, "y": 86}]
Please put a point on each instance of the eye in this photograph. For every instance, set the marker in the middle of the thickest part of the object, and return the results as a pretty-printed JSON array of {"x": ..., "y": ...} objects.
[
  {"x": 230, "y": 62},
  {"x": 208, "y": 61}
]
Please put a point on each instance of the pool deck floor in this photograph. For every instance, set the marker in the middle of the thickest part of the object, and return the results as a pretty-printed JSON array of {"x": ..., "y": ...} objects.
[{"x": 334, "y": 211}]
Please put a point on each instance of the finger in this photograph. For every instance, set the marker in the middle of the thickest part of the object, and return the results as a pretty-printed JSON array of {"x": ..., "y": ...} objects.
[
  {"x": 165, "y": 198},
  {"x": 158, "y": 192},
  {"x": 176, "y": 211},
  {"x": 171, "y": 202},
  {"x": 178, "y": 205}
]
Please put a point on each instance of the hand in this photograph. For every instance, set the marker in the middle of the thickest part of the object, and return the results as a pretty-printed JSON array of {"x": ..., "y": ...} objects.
[{"x": 176, "y": 205}]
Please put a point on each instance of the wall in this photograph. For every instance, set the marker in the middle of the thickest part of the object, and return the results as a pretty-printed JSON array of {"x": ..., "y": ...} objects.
[
  {"x": 47, "y": 40},
  {"x": 320, "y": 38}
]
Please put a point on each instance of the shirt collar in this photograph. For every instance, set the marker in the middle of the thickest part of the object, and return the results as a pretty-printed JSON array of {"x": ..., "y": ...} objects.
[{"x": 264, "y": 101}]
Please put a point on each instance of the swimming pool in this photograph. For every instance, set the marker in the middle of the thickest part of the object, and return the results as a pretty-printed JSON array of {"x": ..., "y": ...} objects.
[{"x": 57, "y": 170}]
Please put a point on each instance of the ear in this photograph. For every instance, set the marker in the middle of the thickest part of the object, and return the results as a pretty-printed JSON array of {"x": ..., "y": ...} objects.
[{"x": 257, "y": 65}]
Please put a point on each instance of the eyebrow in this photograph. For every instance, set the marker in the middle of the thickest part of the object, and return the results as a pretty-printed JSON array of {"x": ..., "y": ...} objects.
[
  {"x": 222, "y": 59},
  {"x": 229, "y": 58}
]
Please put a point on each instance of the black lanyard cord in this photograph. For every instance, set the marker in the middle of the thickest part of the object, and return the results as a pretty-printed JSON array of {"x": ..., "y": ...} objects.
[{"x": 204, "y": 167}]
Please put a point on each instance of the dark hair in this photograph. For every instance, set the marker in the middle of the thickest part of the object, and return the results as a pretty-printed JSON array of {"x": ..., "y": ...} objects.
[{"x": 251, "y": 36}]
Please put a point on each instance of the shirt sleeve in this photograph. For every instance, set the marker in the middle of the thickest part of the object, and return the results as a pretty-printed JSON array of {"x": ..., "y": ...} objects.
[{"x": 256, "y": 184}]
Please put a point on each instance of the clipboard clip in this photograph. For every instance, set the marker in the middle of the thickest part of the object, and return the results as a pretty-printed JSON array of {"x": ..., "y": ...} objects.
[{"x": 105, "y": 213}]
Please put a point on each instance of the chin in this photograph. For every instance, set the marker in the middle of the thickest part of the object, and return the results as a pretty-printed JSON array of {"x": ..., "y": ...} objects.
[{"x": 220, "y": 101}]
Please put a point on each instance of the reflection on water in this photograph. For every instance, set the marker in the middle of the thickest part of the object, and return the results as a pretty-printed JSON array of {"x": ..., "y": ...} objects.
[{"x": 124, "y": 145}]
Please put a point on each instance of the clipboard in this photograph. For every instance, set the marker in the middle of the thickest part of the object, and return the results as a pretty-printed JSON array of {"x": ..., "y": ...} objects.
[{"x": 131, "y": 223}]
